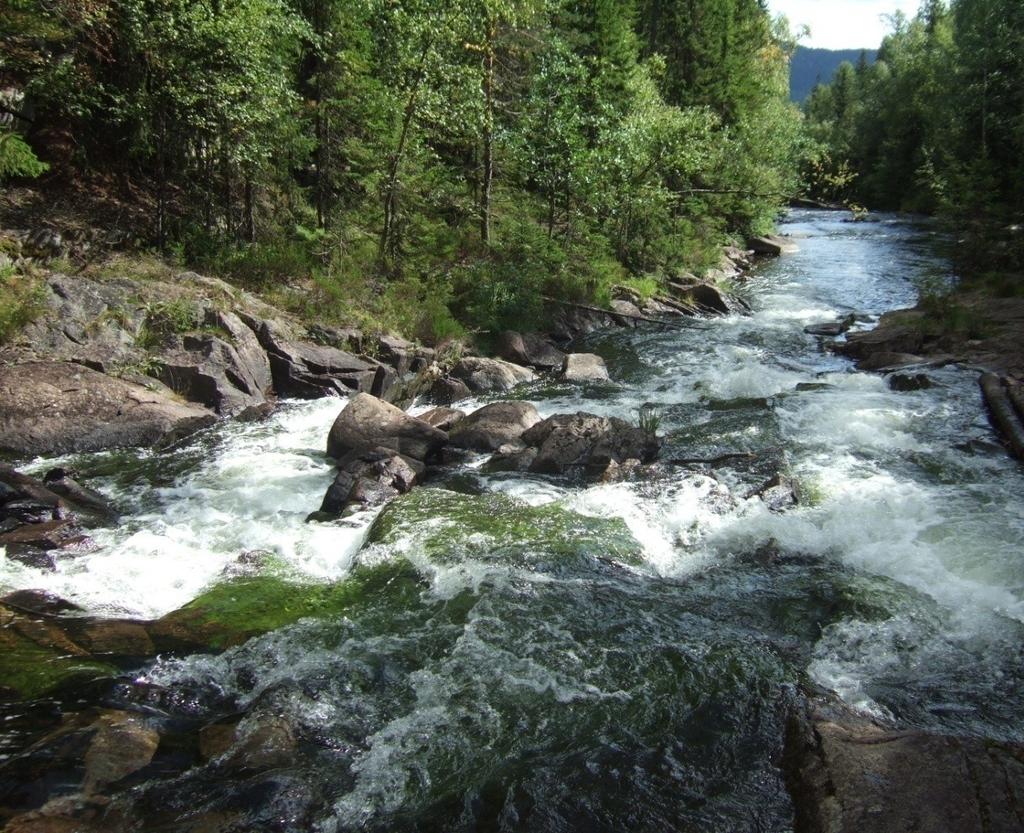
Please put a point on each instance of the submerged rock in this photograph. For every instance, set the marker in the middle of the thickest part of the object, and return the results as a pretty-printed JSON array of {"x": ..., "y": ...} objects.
[
  {"x": 831, "y": 328},
  {"x": 37, "y": 656},
  {"x": 451, "y": 527},
  {"x": 848, "y": 775},
  {"x": 494, "y": 425},
  {"x": 367, "y": 422},
  {"x": 123, "y": 745},
  {"x": 905, "y": 382}
]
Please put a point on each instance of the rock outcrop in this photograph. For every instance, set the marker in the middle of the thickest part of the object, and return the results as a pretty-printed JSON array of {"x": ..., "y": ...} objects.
[{"x": 309, "y": 371}]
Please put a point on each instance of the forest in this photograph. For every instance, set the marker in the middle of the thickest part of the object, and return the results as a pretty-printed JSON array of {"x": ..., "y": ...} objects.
[
  {"x": 935, "y": 126},
  {"x": 435, "y": 165}
]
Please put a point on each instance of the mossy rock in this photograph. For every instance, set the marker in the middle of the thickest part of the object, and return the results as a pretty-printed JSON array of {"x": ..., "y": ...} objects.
[
  {"x": 234, "y": 611},
  {"x": 449, "y": 527},
  {"x": 37, "y": 658}
]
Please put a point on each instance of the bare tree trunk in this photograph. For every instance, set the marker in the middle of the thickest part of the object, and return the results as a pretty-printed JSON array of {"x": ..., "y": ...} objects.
[
  {"x": 250, "y": 210},
  {"x": 487, "y": 176},
  {"x": 391, "y": 186}
]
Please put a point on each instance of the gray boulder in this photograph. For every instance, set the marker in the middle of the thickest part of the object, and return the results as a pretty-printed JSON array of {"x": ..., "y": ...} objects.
[
  {"x": 627, "y": 314},
  {"x": 529, "y": 349},
  {"x": 443, "y": 417},
  {"x": 61, "y": 408},
  {"x": 446, "y": 390},
  {"x": 487, "y": 375},
  {"x": 584, "y": 367},
  {"x": 367, "y": 422},
  {"x": 773, "y": 245},
  {"x": 494, "y": 425},
  {"x": 366, "y": 479}
]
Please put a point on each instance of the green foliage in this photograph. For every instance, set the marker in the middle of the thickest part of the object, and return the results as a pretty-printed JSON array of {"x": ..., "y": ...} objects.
[
  {"x": 22, "y": 300},
  {"x": 648, "y": 419},
  {"x": 935, "y": 124},
  {"x": 437, "y": 165},
  {"x": 17, "y": 158},
  {"x": 166, "y": 318}
]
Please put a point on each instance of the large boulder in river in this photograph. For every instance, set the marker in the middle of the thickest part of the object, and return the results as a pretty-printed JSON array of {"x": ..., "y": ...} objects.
[
  {"x": 62, "y": 408},
  {"x": 584, "y": 367},
  {"x": 529, "y": 349},
  {"x": 585, "y": 443},
  {"x": 367, "y": 422},
  {"x": 368, "y": 478},
  {"x": 494, "y": 425},
  {"x": 487, "y": 375}
]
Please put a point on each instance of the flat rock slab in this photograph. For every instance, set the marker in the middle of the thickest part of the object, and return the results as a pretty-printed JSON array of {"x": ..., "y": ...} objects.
[
  {"x": 585, "y": 367},
  {"x": 772, "y": 244},
  {"x": 864, "y": 779},
  {"x": 61, "y": 408},
  {"x": 483, "y": 375}
]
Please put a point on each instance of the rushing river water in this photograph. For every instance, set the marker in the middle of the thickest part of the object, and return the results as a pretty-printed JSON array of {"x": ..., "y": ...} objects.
[{"x": 551, "y": 657}]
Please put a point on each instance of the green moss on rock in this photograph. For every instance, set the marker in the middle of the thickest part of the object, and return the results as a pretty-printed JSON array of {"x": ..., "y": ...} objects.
[
  {"x": 449, "y": 527},
  {"x": 234, "y": 611},
  {"x": 36, "y": 658}
]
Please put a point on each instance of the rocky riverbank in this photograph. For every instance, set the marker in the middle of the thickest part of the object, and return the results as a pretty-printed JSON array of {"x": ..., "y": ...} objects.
[{"x": 121, "y": 360}]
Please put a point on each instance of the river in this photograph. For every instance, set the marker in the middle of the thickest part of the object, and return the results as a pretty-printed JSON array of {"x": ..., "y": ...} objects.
[{"x": 547, "y": 657}]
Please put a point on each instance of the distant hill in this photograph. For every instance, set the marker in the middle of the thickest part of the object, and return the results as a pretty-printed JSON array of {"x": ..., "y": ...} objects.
[{"x": 811, "y": 66}]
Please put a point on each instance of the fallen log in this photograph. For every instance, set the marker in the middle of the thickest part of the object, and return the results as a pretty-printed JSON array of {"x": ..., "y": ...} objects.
[
  {"x": 1002, "y": 413},
  {"x": 613, "y": 314},
  {"x": 713, "y": 461},
  {"x": 1016, "y": 394}
]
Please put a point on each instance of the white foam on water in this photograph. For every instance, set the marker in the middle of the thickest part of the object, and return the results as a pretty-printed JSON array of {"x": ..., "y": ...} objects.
[{"x": 252, "y": 493}]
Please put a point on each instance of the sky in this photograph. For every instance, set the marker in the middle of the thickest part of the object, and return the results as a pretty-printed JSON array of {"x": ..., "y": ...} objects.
[{"x": 842, "y": 24}]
